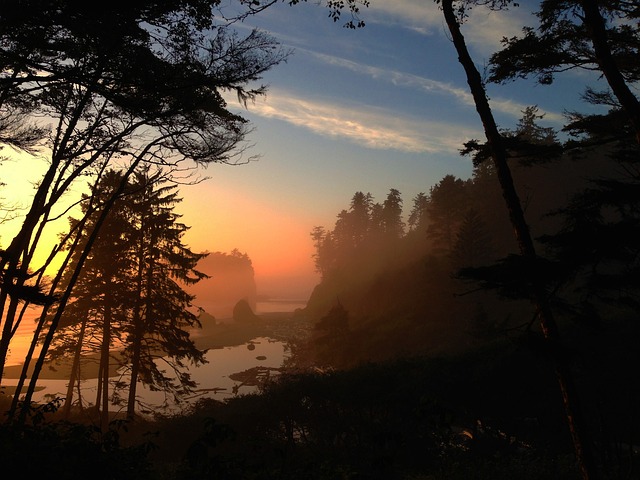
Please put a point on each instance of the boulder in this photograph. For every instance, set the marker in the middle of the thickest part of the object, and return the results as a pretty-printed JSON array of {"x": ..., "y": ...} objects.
[{"x": 242, "y": 313}]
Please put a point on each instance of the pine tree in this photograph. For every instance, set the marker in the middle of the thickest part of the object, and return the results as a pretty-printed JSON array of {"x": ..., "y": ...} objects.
[
  {"x": 130, "y": 293},
  {"x": 473, "y": 246},
  {"x": 392, "y": 215},
  {"x": 92, "y": 321},
  {"x": 418, "y": 217},
  {"x": 160, "y": 318},
  {"x": 360, "y": 217},
  {"x": 448, "y": 204}
]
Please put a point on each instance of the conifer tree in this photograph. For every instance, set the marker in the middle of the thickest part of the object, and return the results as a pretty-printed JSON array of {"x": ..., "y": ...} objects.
[
  {"x": 160, "y": 318},
  {"x": 447, "y": 206},
  {"x": 473, "y": 245},
  {"x": 392, "y": 215},
  {"x": 130, "y": 294},
  {"x": 92, "y": 321},
  {"x": 418, "y": 217}
]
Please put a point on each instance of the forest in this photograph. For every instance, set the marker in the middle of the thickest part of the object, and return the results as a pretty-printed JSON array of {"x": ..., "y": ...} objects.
[{"x": 484, "y": 329}]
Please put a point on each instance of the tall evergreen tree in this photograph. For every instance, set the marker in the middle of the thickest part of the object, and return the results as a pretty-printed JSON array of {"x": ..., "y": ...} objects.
[
  {"x": 130, "y": 294},
  {"x": 473, "y": 245},
  {"x": 160, "y": 319},
  {"x": 418, "y": 217},
  {"x": 448, "y": 203},
  {"x": 360, "y": 217},
  {"x": 392, "y": 215},
  {"x": 93, "y": 320}
]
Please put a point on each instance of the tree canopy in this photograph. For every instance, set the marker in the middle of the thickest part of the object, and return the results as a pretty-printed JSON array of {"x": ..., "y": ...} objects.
[{"x": 72, "y": 65}]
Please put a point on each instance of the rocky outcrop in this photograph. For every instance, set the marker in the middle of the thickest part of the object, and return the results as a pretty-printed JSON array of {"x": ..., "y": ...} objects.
[
  {"x": 231, "y": 279},
  {"x": 242, "y": 313}
]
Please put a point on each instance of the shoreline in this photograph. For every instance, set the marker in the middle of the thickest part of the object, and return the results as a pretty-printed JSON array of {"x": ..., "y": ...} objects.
[{"x": 277, "y": 325}]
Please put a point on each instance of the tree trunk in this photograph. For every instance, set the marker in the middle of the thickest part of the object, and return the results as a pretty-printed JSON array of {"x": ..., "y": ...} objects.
[
  {"x": 135, "y": 370},
  {"x": 74, "y": 278},
  {"x": 597, "y": 30},
  {"x": 539, "y": 299},
  {"x": 75, "y": 372},
  {"x": 99, "y": 388},
  {"x": 104, "y": 364},
  {"x": 138, "y": 329},
  {"x": 41, "y": 322}
]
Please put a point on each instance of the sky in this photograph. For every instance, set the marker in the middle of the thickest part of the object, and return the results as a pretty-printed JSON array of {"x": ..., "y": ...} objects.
[{"x": 371, "y": 109}]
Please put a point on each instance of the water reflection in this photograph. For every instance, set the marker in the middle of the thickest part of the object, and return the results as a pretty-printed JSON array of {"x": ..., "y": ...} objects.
[{"x": 213, "y": 378}]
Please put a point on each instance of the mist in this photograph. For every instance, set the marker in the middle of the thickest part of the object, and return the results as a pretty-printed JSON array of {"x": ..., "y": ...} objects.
[{"x": 484, "y": 328}]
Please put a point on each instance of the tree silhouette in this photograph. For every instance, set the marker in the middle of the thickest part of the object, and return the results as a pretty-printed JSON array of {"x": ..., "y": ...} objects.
[
  {"x": 597, "y": 244},
  {"x": 418, "y": 217},
  {"x": 130, "y": 293},
  {"x": 73, "y": 65},
  {"x": 473, "y": 245},
  {"x": 578, "y": 34},
  {"x": 392, "y": 222},
  {"x": 93, "y": 321},
  {"x": 525, "y": 243},
  {"x": 160, "y": 319},
  {"x": 360, "y": 217},
  {"x": 447, "y": 205}
]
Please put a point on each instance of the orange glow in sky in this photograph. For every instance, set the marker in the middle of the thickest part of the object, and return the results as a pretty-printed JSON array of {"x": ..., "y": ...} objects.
[
  {"x": 276, "y": 240},
  {"x": 220, "y": 218}
]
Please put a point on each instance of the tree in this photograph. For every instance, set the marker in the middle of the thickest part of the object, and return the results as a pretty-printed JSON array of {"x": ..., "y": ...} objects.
[
  {"x": 473, "y": 245},
  {"x": 360, "y": 217},
  {"x": 418, "y": 217},
  {"x": 392, "y": 223},
  {"x": 131, "y": 293},
  {"x": 447, "y": 204},
  {"x": 597, "y": 243},
  {"x": 538, "y": 294},
  {"x": 377, "y": 222},
  {"x": 92, "y": 322},
  {"x": 160, "y": 318},
  {"x": 578, "y": 34},
  {"x": 59, "y": 61},
  {"x": 325, "y": 255}
]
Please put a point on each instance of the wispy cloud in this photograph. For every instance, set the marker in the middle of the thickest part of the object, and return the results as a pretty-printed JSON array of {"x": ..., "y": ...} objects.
[
  {"x": 483, "y": 30},
  {"x": 369, "y": 127},
  {"x": 427, "y": 85}
]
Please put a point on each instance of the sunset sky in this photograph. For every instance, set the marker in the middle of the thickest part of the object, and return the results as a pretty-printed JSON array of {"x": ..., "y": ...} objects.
[
  {"x": 371, "y": 109},
  {"x": 367, "y": 110}
]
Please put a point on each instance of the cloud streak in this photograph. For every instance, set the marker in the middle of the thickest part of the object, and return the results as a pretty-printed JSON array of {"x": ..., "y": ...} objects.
[
  {"x": 483, "y": 29},
  {"x": 427, "y": 85},
  {"x": 373, "y": 128}
]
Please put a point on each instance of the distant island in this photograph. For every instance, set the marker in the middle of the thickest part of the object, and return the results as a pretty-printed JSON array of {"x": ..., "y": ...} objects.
[{"x": 231, "y": 279}]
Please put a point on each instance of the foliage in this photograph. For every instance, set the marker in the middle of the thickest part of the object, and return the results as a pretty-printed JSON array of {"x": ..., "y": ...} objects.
[
  {"x": 563, "y": 41},
  {"x": 597, "y": 243},
  {"x": 473, "y": 242},
  {"x": 72, "y": 450},
  {"x": 601, "y": 36},
  {"x": 131, "y": 292},
  {"x": 72, "y": 64},
  {"x": 411, "y": 418}
]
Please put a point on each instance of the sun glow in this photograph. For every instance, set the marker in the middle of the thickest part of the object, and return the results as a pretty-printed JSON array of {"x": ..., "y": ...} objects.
[{"x": 221, "y": 219}]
